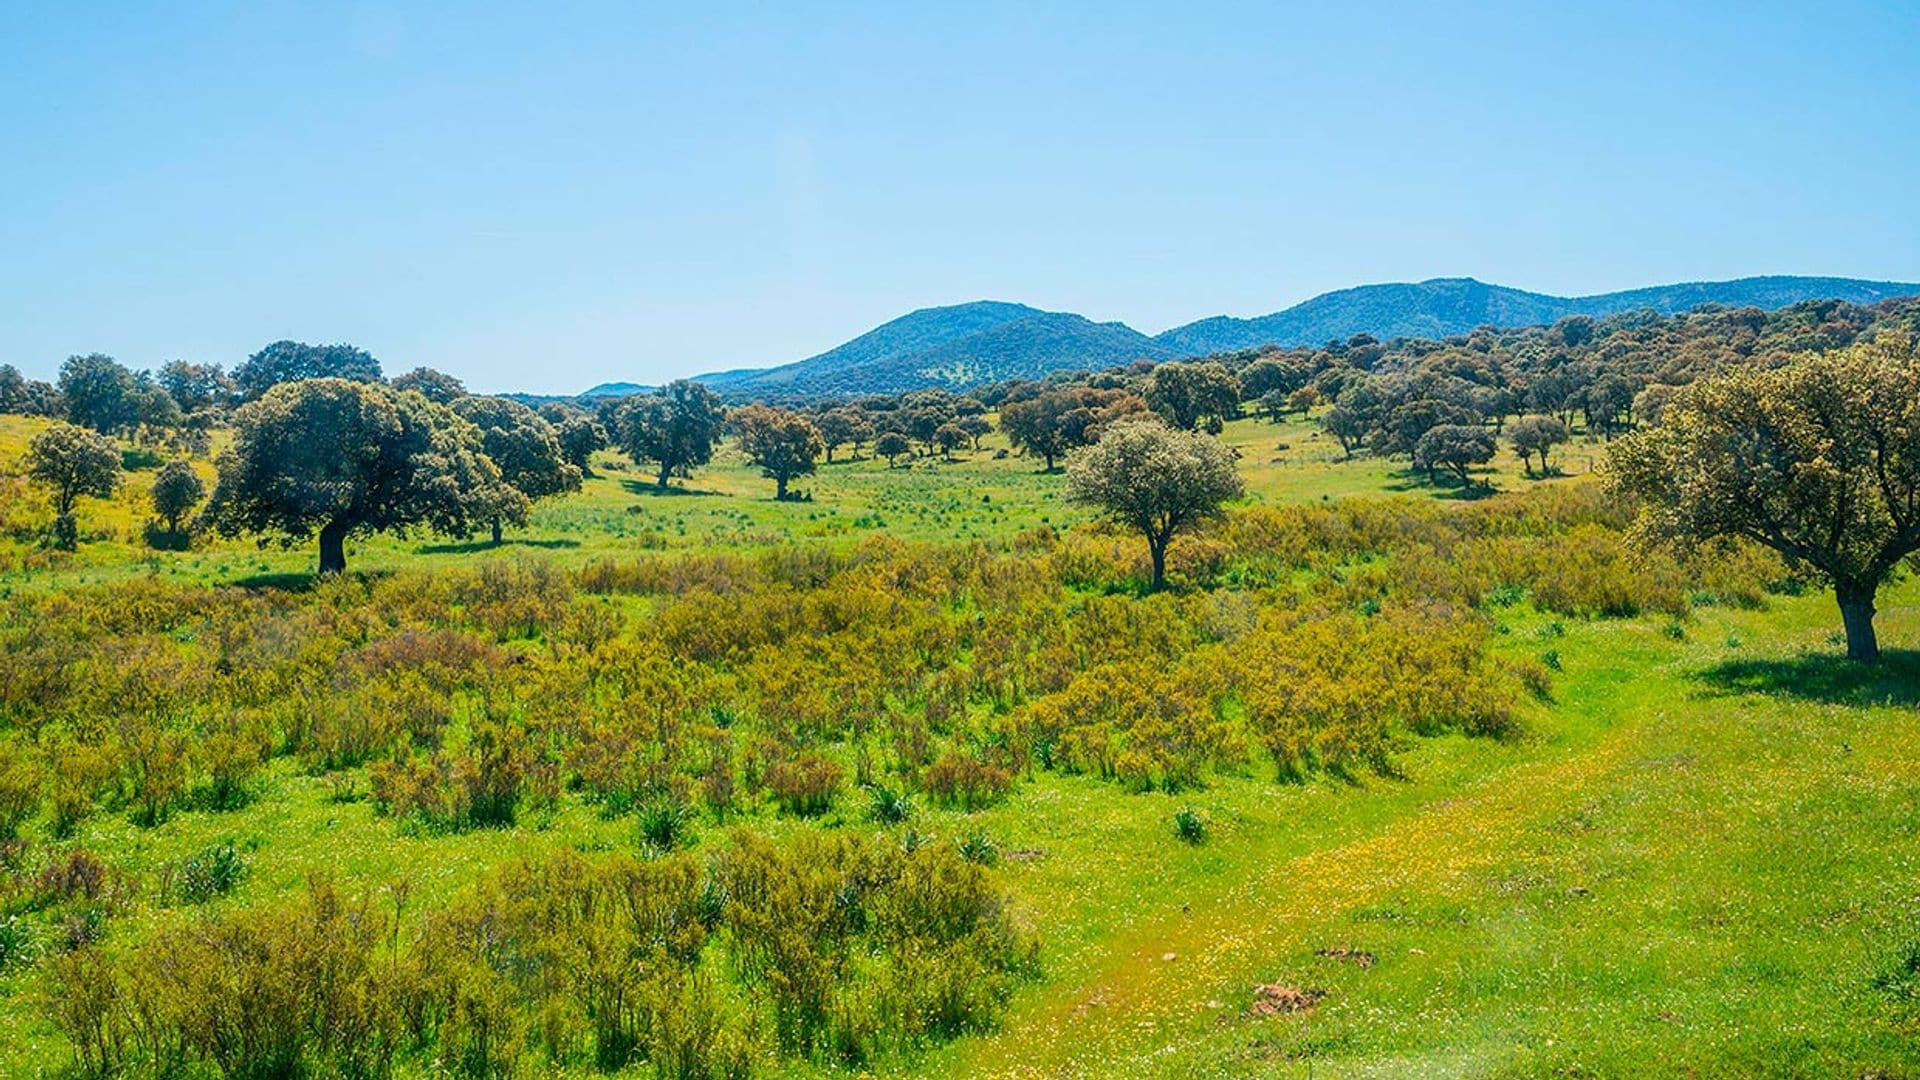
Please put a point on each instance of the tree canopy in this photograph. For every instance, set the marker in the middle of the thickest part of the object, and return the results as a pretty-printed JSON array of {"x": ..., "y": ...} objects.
[
  {"x": 1190, "y": 395},
  {"x": 1818, "y": 459},
  {"x": 292, "y": 361},
  {"x": 176, "y": 490},
  {"x": 1456, "y": 448},
  {"x": 676, "y": 428},
  {"x": 340, "y": 458},
  {"x": 102, "y": 394},
  {"x": 1153, "y": 479},
  {"x": 580, "y": 436},
  {"x": 893, "y": 446},
  {"x": 1054, "y": 422},
  {"x": 71, "y": 461},
  {"x": 435, "y": 386},
  {"x": 783, "y": 443},
  {"x": 195, "y": 386},
  {"x": 1536, "y": 436},
  {"x": 527, "y": 452}
]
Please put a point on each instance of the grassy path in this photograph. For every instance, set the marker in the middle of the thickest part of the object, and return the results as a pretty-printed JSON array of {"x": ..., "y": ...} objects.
[{"x": 1694, "y": 867}]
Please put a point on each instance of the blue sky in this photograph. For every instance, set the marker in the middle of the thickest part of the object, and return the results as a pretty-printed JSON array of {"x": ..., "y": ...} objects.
[{"x": 546, "y": 196}]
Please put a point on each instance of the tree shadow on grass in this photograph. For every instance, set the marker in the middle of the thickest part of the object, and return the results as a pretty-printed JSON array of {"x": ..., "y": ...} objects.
[
  {"x": 299, "y": 581},
  {"x": 1446, "y": 487},
  {"x": 468, "y": 547},
  {"x": 1825, "y": 677},
  {"x": 293, "y": 581},
  {"x": 648, "y": 487}
]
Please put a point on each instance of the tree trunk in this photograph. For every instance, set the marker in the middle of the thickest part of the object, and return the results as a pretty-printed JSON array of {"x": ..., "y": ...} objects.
[
  {"x": 780, "y": 489},
  {"x": 665, "y": 469},
  {"x": 496, "y": 532},
  {"x": 333, "y": 548},
  {"x": 1856, "y": 611},
  {"x": 1157, "y": 547}
]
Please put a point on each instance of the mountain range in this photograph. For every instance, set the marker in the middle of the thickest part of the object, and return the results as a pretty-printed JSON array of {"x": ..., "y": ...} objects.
[{"x": 966, "y": 344}]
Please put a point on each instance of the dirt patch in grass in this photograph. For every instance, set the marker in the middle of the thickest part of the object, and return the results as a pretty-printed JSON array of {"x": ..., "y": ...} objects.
[{"x": 1273, "y": 999}]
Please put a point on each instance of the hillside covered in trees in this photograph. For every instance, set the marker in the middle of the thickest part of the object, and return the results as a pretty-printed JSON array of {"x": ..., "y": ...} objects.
[{"x": 964, "y": 345}]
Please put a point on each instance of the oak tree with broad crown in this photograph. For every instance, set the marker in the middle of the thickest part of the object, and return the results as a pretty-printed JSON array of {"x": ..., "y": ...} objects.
[
  {"x": 339, "y": 457},
  {"x": 1818, "y": 459},
  {"x": 783, "y": 443},
  {"x": 676, "y": 427},
  {"x": 1154, "y": 479}
]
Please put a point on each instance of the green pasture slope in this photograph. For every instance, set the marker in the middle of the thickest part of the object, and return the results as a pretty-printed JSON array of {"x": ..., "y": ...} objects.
[{"x": 1703, "y": 858}]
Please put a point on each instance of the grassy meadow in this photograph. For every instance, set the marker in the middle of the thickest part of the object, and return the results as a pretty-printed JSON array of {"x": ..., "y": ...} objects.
[{"x": 1693, "y": 855}]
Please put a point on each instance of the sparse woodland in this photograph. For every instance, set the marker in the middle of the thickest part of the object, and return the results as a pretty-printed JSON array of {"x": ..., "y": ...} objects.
[{"x": 735, "y": 797}]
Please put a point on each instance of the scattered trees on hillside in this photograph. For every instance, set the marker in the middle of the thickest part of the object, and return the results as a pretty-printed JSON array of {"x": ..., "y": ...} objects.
[
  {"x": 1818, "y": 459},
  {"x": 1053, "y": 422},
  {"x": 841, "y": 427},
  {"x": 436, "y": 386},
  {"x": 71, "y": 461},
  {"x": 526, "y": 450},
  {"x": 1193, "y": 395},
  {"x": 339, "y": 457},
  {"x": 783, "y": 443},
  {"x": 1154, "y": 480},
  {"x": 1536, "y": 436},
  {"x": 676, "y": 428}
]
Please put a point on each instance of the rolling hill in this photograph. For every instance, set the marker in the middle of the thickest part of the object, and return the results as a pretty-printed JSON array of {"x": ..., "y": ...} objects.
[
  {"x": 967, "y": 344},
  {"x": 959, "y": 345},
  {"x": 1444, "y": 307}
]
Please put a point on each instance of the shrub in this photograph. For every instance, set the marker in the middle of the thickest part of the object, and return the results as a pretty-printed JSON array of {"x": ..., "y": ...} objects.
[
  {"x": 967, "y": 781},
  {"x": 887, "y": 806},
  {"x": 804, "y": 784},
  {"x": 977, "y": 848},
  {"x": 20, "y": 784},
  {"x": 665, "y": 824},
  {"x": 1190, "y": 826},
  {"x": 16, "y": 941},
  {"x": 208, "y": 873}
]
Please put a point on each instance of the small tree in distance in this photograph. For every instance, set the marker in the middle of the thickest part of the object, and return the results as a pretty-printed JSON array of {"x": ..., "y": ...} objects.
[
  {"x": 1456, "y": 448},
  {"x": 951, "y": 437},
  {"x": 177, "y": 489},
  {"x": 893, "y": 446},
  {"x": 1533, "y": 436},
  {"x": 783, "y": 443},
  {"x": 676, "y": 428},
  {"x": 1154, "y": 480},
  {"x": 1818, "y": 460}
]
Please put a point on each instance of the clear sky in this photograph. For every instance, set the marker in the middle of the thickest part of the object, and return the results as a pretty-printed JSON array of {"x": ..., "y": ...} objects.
[{"x": 549, "y": 195}]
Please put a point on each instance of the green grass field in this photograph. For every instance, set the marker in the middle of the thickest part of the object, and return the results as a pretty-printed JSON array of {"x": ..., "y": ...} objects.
[{"x": 1700, "y": 859}]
